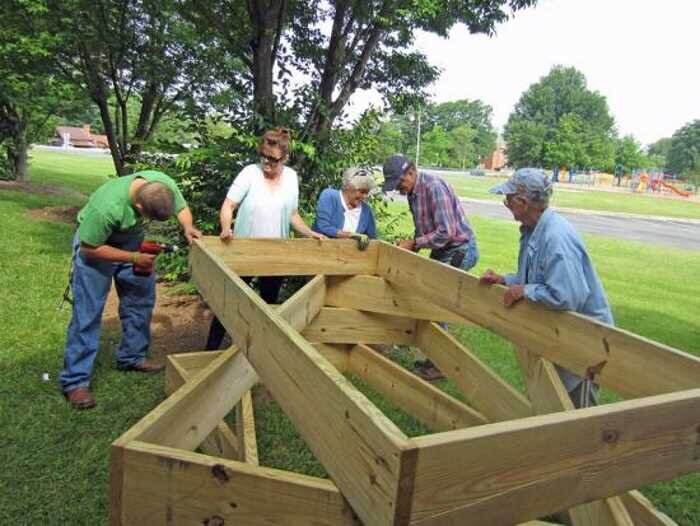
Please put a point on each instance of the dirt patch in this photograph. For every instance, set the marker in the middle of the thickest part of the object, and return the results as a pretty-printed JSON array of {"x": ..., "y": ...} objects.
[
  {"x": 180, "y": 323},
  {"x": 63, "y": 214}
]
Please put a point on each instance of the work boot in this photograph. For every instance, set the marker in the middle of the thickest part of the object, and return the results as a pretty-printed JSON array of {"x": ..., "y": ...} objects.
[
  {"x": 80, "y": 398},
  {"x": 146, "y": 366},
  {"x": 426, "y": 370}
]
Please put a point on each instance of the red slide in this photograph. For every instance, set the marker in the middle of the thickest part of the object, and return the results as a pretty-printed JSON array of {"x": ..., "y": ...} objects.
[{"x": 674, "y": 189}]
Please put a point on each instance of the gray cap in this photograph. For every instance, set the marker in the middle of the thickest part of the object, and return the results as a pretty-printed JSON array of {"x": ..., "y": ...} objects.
[
  {"x": 394, "y": 168},
  {"x": 532, "y": 182}
]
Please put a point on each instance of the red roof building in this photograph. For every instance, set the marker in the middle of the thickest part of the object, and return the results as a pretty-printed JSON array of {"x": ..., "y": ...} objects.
[{"x": 79, "y": 137}]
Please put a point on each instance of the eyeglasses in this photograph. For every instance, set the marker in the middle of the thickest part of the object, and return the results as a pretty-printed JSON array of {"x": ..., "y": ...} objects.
[
  {"x": 269, "y": 160},
  {"x": 508, "y": 201}
]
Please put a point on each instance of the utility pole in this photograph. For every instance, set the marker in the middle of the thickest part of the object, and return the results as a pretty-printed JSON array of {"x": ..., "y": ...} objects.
[{"x": 418, "y": 140}]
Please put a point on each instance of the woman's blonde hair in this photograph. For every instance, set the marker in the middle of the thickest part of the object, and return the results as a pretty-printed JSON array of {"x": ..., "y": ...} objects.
[{"x": 280, "y": 138}]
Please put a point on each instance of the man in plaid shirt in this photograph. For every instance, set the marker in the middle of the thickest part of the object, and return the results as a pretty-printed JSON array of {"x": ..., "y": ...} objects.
[{"x": 440, "y": 223}]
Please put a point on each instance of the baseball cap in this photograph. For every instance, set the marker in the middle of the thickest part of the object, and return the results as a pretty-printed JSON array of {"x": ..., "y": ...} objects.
[
  {"x": 530, "y": 181},
  {"x": 394, "y": 168}
]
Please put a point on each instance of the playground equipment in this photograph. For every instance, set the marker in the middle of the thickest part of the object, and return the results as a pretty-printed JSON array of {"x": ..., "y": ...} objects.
[
  {"x": 672, "y": 188},
  {"x": 490, "y": 460}
]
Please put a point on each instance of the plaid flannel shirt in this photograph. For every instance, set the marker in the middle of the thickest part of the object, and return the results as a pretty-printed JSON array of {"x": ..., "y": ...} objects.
[{"x": 437, "y": 214}]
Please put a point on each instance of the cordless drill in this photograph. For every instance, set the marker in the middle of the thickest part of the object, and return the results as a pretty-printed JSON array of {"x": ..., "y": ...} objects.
[{"x": 148, "y": 246}]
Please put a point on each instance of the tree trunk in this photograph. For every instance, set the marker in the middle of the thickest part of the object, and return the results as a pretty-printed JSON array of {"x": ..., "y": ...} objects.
[
  {"x": 117, "y": 157},
  {"x": 18, "y": 151},
  {"x": 267, "y": 21}
]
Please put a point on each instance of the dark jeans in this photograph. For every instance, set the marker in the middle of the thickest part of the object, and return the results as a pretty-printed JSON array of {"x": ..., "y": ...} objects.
[
  {"x": 269, "y": 287},
  {"x": 463, "y": 257},
  {"x": 91, "y": 281}
]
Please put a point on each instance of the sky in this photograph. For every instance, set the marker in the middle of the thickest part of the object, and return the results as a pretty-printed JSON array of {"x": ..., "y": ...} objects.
[{"x": 642, "y": 55}]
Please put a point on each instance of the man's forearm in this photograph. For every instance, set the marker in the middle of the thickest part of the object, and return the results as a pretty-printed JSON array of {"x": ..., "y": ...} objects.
[
  {"x": 108, "y": 253},
  {"x": 184, "y": 217}
]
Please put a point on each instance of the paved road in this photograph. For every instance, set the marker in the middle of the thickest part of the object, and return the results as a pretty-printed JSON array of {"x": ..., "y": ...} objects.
[{"x": 678, "y": 234}]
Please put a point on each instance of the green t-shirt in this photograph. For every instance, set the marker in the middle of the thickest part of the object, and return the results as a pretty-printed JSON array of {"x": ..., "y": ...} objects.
[{"x": 109, "y": 208}]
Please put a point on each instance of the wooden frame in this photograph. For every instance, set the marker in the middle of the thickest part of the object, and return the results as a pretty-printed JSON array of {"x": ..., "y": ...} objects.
[{"x": 500, "y": 458}]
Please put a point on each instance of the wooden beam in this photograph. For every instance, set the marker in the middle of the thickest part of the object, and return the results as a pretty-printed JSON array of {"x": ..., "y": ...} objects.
[
  {"x": 245, "y": 429},
  {"x": 375, "y": 294},
  {"x": 339, "y": 325},
  {"x": 185, "y": 418},
  {"x": 632, "y": 366},
  {"x": 549, "y": 395},
  {"x": 643, "y": 512},
  {"x": 484, "y": 389},
  {"x": 293, "y": 257},
  {"x": 221, "y": 442},
  {"x": 336, "y": 353},
  {"x": 436, "y": 409},
  {"x": 304, "y": 305},
  {"x": 170, "y": 486},
  {"x": 375, "y": 469},
  {"x": 521, "y": 469}
]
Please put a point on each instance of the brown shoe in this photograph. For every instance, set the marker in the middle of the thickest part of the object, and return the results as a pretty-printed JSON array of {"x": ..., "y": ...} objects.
[
  {"x": 426, "y": 370},
  {"x": 81, "y": 398},
  {"x": 146, "y": 366}
]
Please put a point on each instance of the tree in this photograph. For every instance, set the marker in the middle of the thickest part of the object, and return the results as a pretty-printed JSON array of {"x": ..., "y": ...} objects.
[
  {"x": 560, "y": 112},
  {"x": 464, "y": 150},
  {"x": 472, "y": 114},
  {"x": 436, "y": 146},
  {"x": 683, "y": 156},
  {"x": 30, "y": 95},
  {"x": 660, "y": 147},
  {"x": 118, "y": 53},
  {"x": 338, "y": 47},
  {"x": 629, "y": 155}
]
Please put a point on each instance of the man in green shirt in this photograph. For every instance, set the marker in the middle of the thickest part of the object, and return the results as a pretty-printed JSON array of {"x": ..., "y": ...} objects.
[{"x": 105, "y": 247}]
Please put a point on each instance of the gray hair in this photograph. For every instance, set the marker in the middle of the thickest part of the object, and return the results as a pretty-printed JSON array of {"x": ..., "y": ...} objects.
[
  {"x": 538, "y": 198},
  {"x": 359, "y": 178}
]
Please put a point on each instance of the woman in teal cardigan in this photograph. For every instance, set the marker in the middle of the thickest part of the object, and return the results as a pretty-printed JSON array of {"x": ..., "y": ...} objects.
[{"x": 342, "y": 213}]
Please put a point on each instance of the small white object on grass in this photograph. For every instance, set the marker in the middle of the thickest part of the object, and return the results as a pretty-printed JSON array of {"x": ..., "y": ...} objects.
[{"x": 45, "y": 377}]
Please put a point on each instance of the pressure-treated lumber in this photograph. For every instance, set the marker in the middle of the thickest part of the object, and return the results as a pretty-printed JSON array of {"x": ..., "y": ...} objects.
[
  {"x": 375, "y": 294},
  {"x": 437, "y": 410},
  {"x": 293, "y": 257},
  {"x": 221, "y": 442},
  {"x": 631, "y": 365},
  {"x": 339, "y": 325},
  {"x": 643, "y": 512},
  {"x": 186, "y": 418},
  {"x": 305, "y": 304},
  {"x": 486, "y": 392},
  {"x": 245, "y": 429},
  {"x": 535, "y": 466},
  {"x": 375, "y": 469},
  {"x": 494, "y": 473},
  {"x": 549, "y": 395},
  {"x": 169, "y": 486}
]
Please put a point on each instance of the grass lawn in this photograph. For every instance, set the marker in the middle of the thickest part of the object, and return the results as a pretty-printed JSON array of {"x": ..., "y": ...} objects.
[
  {"x": 79, "y": 172},
  {"x": 627, "y": 202},
  {"x": 56, "y": 461}
]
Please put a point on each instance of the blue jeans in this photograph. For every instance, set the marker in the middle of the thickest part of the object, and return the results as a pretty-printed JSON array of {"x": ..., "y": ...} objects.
[
  {"x": 464, "y": 256},
  {"x": 91, "y": 281}
]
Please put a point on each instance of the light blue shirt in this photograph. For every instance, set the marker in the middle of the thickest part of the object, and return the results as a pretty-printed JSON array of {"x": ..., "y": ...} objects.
[{"x": 556, "y": 270}]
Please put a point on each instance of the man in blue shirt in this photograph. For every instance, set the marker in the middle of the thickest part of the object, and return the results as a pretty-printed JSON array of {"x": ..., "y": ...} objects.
[{"x": 554, "y": 268}]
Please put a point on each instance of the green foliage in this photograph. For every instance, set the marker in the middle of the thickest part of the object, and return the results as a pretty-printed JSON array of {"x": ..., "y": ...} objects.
[
  {"x": 558, "y": 122},
  {"x": 629, "y": 155},
  {"x": 454, "y": 134},
  {"x": 683, "y": 156}
]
